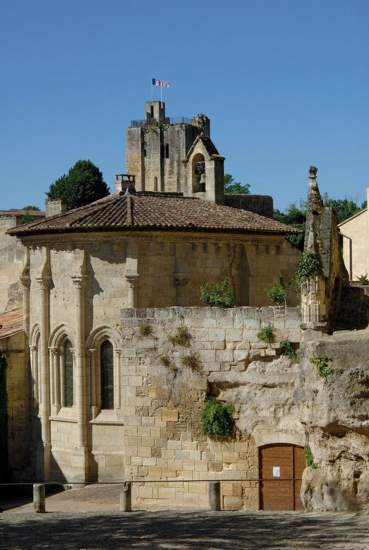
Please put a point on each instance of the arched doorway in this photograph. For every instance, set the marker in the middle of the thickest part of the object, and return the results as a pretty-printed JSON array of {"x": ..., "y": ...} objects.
[{"x": 280, "y": 471}]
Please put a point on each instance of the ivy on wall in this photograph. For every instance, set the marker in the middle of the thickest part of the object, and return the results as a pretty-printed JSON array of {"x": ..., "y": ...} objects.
[{"x": 3, "y": 420}]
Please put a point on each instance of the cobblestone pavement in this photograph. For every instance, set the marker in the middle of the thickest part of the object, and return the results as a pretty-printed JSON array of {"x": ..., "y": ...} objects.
[{"x": 183, "y": 530}]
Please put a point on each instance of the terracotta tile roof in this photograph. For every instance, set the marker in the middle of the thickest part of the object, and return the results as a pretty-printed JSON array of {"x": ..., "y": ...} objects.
[
  {"x": 154, "y": 211},
  {"x": 11, "y": 322}
]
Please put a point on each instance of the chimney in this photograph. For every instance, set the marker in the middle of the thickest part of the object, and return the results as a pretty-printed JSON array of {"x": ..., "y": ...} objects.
[
  {"x": 124, "y": 182},
  {"x": 54, "y": 207}
]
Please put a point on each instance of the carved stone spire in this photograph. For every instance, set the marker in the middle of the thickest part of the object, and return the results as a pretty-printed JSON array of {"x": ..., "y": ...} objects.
[{"x": 314, "y": 208}]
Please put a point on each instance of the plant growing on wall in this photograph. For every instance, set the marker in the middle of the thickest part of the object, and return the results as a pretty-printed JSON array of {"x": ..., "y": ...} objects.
[
  {"x": 146, "y": 330},
  {"x": 322, "y": 366},
  {"x": 3, "y": 420},
  {"x": 286, "y": 348},
  {"x": 219, "y": 294},
  {"x": 192, "y": 361},
  {"x": 309, "y": 265},
  {"x": 309, "y": 457},
  {"x": 266, "y": 334},
  {"x": 182, "y": 337},
  {"x": 363, "y": 279},
  {"x": 217, "y": 418},
  {"x": 278, "y": 294},
  {"x": 166, "y": 361}
]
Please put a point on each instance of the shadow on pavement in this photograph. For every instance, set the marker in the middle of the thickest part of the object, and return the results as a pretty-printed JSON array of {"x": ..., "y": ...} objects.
[{"x": 225, "y": 530}]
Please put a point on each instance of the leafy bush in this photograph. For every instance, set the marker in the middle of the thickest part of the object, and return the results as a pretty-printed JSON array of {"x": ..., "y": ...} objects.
[
  {"x": 192, "y": 361},
  {"x": 363, "y": 279},
  {"x": 266, "y": 334},
  {"x": 218, "y": 294},
  {"x": 308, "y": 266},
  {"x": 309, "y": 457},
  {"x": 322, "y": 366},
  {"x": 277, "y": 294},
  {"x": 182, "y": 337},
  {"x": 287, "y": 348},
  {"x": 146, "y": 330},
  {"x": 217, "y": 418}
]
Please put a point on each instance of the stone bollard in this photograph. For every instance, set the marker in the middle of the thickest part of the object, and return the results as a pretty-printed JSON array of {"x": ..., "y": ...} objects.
[
  {"x": 39, "y": 497},
  {"x": 214, "y": 495},
  {"x": 126, "y": 497}
]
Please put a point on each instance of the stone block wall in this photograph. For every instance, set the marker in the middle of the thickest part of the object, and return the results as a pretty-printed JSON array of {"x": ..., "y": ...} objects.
[
  {"x": 163, "y": 399},
  {"x": 17, "y": 397}
]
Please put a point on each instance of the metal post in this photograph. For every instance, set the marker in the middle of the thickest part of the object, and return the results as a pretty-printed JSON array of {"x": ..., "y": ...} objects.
[
  {"x": 214, "y": 495},
  {"x": 39, "y": 497},
  {"x": 125, "y": 497}
]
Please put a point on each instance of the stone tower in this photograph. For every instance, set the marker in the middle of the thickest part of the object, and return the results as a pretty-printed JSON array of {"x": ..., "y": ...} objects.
[{"x": 174, "y": 155}]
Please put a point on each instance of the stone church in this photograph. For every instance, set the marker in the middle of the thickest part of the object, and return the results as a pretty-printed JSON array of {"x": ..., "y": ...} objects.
[{"x": 108, "y": 288}]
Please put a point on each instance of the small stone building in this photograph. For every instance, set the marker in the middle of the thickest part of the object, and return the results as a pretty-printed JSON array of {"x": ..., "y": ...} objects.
[
  {"x": 355, "y": 235},
  {"x": 134, "y": 250},
  {"x": 12, "y": 256}
]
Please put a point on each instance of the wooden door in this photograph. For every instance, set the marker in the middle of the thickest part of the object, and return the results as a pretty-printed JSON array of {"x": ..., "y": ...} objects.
[{"x": 281, "y": 468}]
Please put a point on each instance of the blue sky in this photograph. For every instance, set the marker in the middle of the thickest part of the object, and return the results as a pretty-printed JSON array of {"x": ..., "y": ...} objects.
[{"x": 285, "y": 83}]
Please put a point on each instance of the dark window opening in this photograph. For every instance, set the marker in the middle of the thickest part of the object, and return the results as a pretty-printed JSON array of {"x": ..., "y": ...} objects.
[
  {"x": 107, "y": 375},
  {"x": 152, "y": 111},
  {"x": 167, "y": 151},
  {"x": 68, "y": 374}
]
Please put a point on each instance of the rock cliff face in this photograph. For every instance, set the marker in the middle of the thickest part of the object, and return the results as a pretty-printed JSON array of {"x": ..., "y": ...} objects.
[{"x": 290, "y": 401}]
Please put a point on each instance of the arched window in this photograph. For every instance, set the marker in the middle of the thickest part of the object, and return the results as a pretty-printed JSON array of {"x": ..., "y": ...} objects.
[
  {"x": 198, "y": 174},
  {"x": 107, "y": 375},
  {"x": 68, "y": 374}
]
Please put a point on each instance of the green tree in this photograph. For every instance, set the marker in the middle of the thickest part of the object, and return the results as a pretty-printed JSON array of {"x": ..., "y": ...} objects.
[
  {"x": 36, "y": 208},
  {"x": 344, "y": 208},
  {"x": 235, "y": 187},
  {"x": 83, "y": 184},
  {"x": 295, "y": 216}
]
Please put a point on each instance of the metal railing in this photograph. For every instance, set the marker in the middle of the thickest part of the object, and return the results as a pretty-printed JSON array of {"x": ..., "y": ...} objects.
[{"x": 168, "y": 120}]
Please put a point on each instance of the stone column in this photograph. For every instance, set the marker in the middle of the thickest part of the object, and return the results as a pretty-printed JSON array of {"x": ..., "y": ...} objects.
[
  {"x": 180, "y": 282},
  {"x": 81, "y": 389},
  {"x": 132, "y": 273},
  {"x": 44, "y": 382},
  {"x": 132, "y": 280},
  {"x": 25, "y": 280}
]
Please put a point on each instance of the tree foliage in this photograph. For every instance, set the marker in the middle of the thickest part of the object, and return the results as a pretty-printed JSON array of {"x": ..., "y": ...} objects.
[
  {"x": 296, "y": 215},
  {"x": 344, "y": 208},
  {"x": 235, "y": 187},
  {"x": 83, "y": 184}
]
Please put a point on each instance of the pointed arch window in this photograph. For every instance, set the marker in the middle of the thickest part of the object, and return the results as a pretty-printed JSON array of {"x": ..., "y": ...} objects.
[
  {"x": 68, "y": 383},
  {"x": 107, "y": 375}
]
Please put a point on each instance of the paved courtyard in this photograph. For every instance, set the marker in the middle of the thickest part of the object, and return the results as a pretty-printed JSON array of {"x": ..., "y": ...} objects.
[{"x": 169, "y": 530}]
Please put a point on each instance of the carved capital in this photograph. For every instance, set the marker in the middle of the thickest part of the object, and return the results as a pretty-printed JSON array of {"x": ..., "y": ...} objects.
[
  {"x": 44, "y": 282},
  {"x": 132, "y": 279},
  {"x": 78, "y": 281}
]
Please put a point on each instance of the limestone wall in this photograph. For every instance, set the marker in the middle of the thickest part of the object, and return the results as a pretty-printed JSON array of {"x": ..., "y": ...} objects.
[
  {"x": 355, "y": 245},
  {"x": 17, "y": 397},
  {"x": 162, "y": 402},
  {"x": 11, "y": 261}
]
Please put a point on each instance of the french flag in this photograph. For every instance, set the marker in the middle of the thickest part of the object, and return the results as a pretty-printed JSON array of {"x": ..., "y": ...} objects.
[{"x": 160, "y": 83}]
